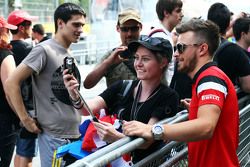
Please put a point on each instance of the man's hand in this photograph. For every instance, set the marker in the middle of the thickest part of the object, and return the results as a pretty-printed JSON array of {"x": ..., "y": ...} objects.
[
  {"x": 185, "y": 103},
  {"x": 31, "y": 125},
  {"x": 71, "y": 84},
  {"x": 115, "y": 57}
]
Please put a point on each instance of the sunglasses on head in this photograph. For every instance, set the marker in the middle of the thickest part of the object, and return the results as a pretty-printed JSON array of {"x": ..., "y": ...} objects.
[
  {"x": 132, "y": 29},
  {"x": 153, "y": 41},
  {"x": 181, "y": 47}
]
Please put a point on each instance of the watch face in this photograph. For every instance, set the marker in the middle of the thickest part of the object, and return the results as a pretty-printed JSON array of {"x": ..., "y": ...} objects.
[{"x": 158, "y": 129}]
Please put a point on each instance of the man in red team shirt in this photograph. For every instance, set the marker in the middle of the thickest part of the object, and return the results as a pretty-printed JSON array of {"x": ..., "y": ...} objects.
[{"x": 213, "y": 125}]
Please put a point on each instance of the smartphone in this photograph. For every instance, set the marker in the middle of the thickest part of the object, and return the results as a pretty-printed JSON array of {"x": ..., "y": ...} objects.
[{"x": 69, "y": 64}]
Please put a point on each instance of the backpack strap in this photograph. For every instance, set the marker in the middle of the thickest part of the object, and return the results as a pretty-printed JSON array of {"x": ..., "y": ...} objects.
[
  {"x": 126, "y": 86},
  {"x": 156, "y": 30}
]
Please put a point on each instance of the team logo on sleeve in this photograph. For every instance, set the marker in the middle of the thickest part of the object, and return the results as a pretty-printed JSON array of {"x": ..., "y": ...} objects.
[{"x": 210, "y": 97}]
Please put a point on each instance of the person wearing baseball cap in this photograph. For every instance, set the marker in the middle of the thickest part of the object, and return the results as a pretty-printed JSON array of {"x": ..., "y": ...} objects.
[
  {"x": 5, "y": 24},
  {"x": 147, "y": 100},
  {"x": 26, "y": 148},
  {"x": 154, "y": 44},
  {"x": 117, "y": 64},
  {"x": 9, "y": 121},
  {"x": 18, "y": 16}
]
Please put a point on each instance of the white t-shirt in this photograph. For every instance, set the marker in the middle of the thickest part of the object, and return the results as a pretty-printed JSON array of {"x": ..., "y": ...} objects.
[{"x": 166, "y": 35}]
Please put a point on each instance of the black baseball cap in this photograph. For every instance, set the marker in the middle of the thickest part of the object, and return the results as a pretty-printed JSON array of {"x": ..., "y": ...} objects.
[{"x": 155, "y": 44}]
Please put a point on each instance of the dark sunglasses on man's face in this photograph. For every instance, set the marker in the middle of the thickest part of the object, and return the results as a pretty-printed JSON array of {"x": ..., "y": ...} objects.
[
  {"x": 132, "y": 29},
  {"x": 181, "y": 47}
]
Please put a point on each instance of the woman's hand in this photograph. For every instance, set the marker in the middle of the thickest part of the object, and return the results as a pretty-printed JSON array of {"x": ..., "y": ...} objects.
[
  {"x": 71, "y": 84},
  {"x": 107, "y": 132}
]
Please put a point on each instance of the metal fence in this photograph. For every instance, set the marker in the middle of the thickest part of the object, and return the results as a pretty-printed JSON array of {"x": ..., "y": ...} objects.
[
  {"x": 173, "y": 153},
  {"x": 89, "y": 51}
]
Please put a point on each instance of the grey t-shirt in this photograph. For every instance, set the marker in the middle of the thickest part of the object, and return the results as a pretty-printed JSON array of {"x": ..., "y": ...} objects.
[{"x": 54, "y": 110}]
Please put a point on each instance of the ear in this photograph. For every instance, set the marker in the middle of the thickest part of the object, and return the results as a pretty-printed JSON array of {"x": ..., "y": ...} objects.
[
  {"x": 60, "y": 23},
  {"x": 20, "y": 28},
  {"x": 166, "y": 14},
  {"x": 118, "y": 29},
  {"x": 242, "y": 35},
  {"x": 164, "y": 63},
  {"x": 140, "y": 27},
  {"x": 203, "y": 49}
]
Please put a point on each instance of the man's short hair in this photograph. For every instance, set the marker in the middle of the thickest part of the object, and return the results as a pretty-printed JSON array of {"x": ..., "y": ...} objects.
[
  {"x": 38, "y": 28},
  {"x": 220, "y": 15},
  {"x": 239, "y": 26},
  {"x": 65, "y": 11},
  {"x": 168, "y": 6}
]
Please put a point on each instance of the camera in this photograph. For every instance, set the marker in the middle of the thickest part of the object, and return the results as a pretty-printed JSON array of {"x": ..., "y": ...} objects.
[
  {"x": 126, "y": 54},
  {"x": 69, "y": 64}
]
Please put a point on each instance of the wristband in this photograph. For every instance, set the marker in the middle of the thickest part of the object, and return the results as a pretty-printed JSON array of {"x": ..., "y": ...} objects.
[{"x": 78, "y": 106}]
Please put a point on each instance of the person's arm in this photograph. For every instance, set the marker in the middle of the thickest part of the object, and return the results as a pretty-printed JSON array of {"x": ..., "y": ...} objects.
[
  {"x": 245, "y": 83},
  {"x": 72, "y": 85},
  {"x": 7, "y": 67},
  {"x": 192, "y": 130},
  {"x": 13, "y": 94},
  {"x": 95, "y": 76}
]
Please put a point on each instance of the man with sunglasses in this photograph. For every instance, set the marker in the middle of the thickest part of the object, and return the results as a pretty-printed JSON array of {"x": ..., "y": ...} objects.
[
  {"x": 213, "y": 126},
  {"x": 117, "y": 64},
  {"x": 26, "y": 148}
]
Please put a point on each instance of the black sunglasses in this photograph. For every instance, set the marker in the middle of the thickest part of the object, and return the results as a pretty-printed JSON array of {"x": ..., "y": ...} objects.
[
  {"x": 151, "y": 40},
  {"x": 132, "y": 29},
  {"x": 180, "y": 47}
]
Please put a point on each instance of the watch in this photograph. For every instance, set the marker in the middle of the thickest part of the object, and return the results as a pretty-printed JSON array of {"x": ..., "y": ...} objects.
[{"x": 157, "y": 131}]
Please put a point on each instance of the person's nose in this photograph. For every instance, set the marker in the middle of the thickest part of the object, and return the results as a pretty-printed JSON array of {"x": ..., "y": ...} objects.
[
  {"x": 176, "y": 54},
  {"x": 129, "y": 33},
  {"x": 138, "y": 62}
]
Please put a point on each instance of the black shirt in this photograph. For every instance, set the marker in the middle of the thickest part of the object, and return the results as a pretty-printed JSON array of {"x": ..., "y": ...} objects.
[
  {"x": 162, "y": 104},
  {"x": 233, "y": 61},
  {"x": 7, "y": 115},
  {"x": 20, "y": 50}
]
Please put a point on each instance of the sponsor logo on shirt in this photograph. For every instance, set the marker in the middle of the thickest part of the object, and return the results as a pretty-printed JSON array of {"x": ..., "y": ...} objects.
[{"x": 210, "y": 97}]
